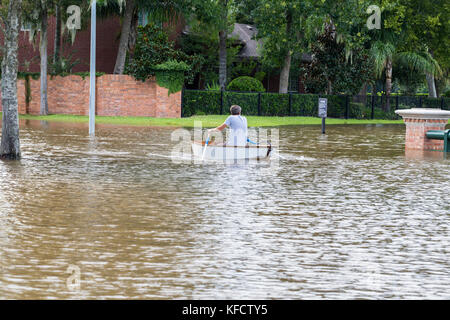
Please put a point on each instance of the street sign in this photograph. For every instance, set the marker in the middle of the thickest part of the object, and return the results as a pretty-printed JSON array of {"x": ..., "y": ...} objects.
[{"x": 323, "y": 103}]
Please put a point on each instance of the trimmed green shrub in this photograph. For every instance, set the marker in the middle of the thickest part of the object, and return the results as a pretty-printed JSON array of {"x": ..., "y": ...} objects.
[
  {"x": 247, "y": 84},
  {"x": 356, "y": 110},
  {"x": 247, "y": 101},
  {"x": 274, "y": 104},
  {"x": 304, "y": 105},
  {"x": 336, "y": 106},
  {"x": 196, "y": 102}
]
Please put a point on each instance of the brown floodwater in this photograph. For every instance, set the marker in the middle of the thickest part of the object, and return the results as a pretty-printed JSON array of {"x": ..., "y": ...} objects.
[{"x": 344, "y": 215}]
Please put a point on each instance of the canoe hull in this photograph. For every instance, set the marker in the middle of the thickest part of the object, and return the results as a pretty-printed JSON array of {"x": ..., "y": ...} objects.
[{"x": 227, "y": 153}]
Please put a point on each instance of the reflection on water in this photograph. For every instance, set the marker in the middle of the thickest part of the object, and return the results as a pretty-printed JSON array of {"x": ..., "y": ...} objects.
[{"x": 345, "y": 215}]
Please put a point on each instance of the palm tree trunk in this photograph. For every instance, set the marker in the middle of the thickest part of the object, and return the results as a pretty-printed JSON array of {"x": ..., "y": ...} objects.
[
  {"x": 431, "y": 86},
  {"x": 222, "y": 59},
  {"x": 44, "y": 56},
  {"x": 124, "y": 36},
  {"x": 57, "y": 50},
  {"x": 10, "y": 143},
  {"x": 284, "y": 76},
  {"x": 388, "y": 84}
]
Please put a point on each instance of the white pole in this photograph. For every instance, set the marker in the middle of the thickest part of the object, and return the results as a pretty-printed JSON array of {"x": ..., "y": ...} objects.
[{"x": 92, "y": 74}]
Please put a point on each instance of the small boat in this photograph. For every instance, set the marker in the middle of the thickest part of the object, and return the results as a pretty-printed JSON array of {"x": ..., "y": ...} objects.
[{"x": 224, "y": 152}]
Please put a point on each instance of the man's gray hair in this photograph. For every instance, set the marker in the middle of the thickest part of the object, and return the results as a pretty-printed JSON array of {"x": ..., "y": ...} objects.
[{"x": 235, "y": 110}]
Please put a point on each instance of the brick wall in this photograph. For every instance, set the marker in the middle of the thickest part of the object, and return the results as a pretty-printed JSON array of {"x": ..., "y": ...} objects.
[
  {"x": 416, "y": 130},
  {"x": 117, "y": 95}
]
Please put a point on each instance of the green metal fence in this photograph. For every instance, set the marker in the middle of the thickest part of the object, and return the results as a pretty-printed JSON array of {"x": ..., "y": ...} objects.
[{"x": 206, "y": 102}]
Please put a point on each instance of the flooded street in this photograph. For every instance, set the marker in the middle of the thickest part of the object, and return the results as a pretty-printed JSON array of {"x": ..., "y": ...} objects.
[{"x": 345, "y": 215}]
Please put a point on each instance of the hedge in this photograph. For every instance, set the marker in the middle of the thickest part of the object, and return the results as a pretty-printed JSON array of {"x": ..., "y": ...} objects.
[{"x": 201, "y": 102}]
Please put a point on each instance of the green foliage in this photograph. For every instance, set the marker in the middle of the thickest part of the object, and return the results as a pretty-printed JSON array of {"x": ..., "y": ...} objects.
[
  {"x": 244, "y": 68},
  {"x": 274, "y": 104},
  {"x": 154, "y": 48},
  {"x": 447, "y": 93},
  {"x": 246, "y": 84},
  {"x": 244, "y": 10},
  {"x": 247, "y": 101},
  {"x": 331, "y": 67},
  {"x": 170, "y": 75},
  {"x": 196, "y": 102},
  {"x": 409, "y": 80},
  {"x": 305, "y": 105},
  {"x": 214, "y": 86},
  {"x": 260, "y": 75},
  {"x": 279, "y": 23},
  {"x": 206, "y": 46},
  {"x": 64, "y": 65}
]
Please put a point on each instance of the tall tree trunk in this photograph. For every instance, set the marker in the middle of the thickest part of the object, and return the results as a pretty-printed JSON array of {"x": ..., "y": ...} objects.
[
  {"x": 431, "y": 86},
  {"x": 388, "y": 84},
  {"x": 57, "y": 46},
  {"x": 284, "y": 76},
  {"x": 124, "y": 36},
  {"x": 133, "y": 31},
  {"x": 222, "y": 59},
  {"x": 44, "y": 58},
  {"x": 10, "y": 143},
  {"x": 329, "y": 87},
  {"x": 223, "y": 45}
]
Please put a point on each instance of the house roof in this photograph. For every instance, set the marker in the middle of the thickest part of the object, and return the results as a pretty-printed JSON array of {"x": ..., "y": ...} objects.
[{"x": 245, "y": 34}]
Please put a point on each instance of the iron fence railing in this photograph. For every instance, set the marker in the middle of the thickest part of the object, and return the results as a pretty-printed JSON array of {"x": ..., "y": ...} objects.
[{"x": 205, "y": 102}]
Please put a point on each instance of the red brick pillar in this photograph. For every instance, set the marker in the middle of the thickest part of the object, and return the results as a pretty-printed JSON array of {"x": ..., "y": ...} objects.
[{"x": 420, "y": 120}]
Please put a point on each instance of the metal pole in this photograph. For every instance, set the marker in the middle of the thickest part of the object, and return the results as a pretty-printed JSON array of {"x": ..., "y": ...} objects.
[
  {"x": 323, "y": 125},
  {"x": 92, "y": 73}
]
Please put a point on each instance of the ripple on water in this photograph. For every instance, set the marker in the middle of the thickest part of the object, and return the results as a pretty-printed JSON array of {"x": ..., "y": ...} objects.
[{"x": 342, "y": 215}]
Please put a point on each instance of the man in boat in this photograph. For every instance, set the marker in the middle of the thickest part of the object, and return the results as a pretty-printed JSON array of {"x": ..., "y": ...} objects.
[{"x": 237, "y": 125}]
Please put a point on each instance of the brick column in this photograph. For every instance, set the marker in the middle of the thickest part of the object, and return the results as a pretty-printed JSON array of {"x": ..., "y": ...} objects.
[{"x": 420, "y": 120}]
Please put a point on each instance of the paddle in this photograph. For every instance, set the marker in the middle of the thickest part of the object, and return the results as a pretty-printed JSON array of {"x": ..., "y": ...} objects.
[{"x": 206, "y": 144}]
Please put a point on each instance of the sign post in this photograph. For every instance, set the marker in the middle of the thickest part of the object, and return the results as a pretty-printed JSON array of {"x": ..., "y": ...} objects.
[
  {"x": 92, "y": 73},
  {"x": 323, "y": 104}
]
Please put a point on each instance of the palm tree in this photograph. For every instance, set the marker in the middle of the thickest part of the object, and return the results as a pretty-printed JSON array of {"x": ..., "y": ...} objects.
[
  {"x": 387, "y": 53},
  {"x": 36, "y": 13}
]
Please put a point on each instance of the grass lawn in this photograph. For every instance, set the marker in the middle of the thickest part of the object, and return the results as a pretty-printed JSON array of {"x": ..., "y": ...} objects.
[{"x": 207, "y": 121}]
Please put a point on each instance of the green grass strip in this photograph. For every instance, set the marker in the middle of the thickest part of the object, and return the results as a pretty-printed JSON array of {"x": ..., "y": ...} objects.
[{"x": 207, "y": 121}]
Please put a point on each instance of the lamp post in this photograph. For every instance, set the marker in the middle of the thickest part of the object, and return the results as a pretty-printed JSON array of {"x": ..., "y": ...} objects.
[{"x": 92, "y": 71}]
